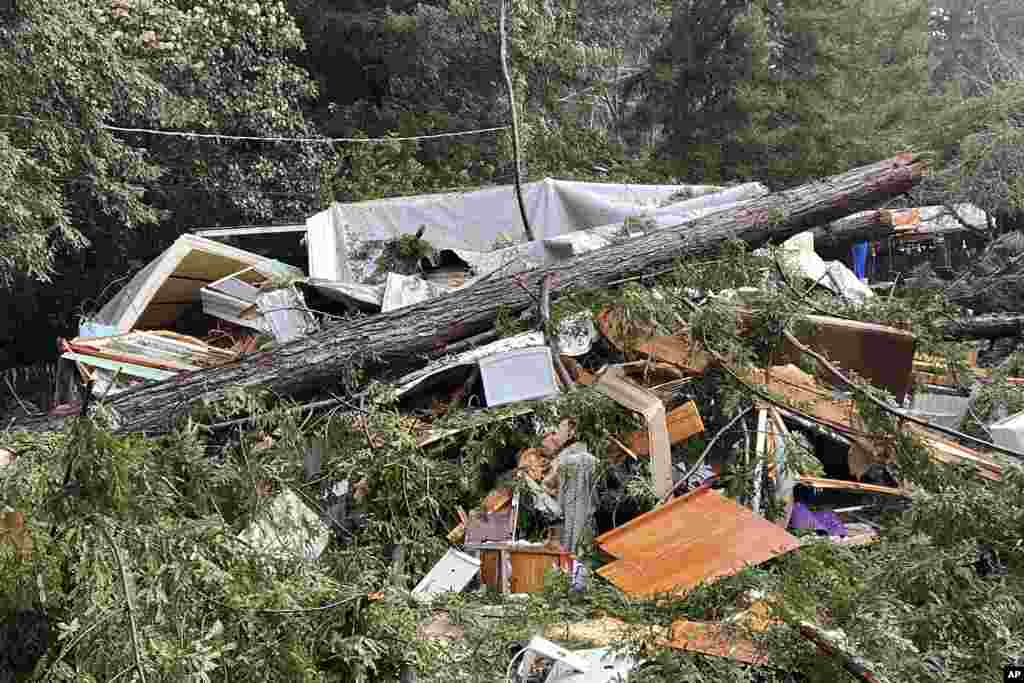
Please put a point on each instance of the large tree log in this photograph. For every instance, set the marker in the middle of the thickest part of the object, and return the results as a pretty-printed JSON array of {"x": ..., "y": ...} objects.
[
  {"x": 984, "y": 327},
  {"x": 399, "y": 336},
  {"x": 835, "y": 239}
]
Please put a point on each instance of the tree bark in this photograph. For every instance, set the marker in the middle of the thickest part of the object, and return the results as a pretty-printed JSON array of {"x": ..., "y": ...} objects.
[
  {"x": 835, "y": 239},
  {"x": 397, "y": 337},
  {"x": 984, "y": 327}
]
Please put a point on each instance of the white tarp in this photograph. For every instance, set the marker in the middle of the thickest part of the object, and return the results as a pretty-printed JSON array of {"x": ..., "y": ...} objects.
[
  {"x": 799, "y": 253},
  {"x": 344, "y": 240}
]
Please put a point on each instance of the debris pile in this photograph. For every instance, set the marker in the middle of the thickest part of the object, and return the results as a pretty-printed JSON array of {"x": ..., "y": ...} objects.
[{"x": 652, "y": 434}]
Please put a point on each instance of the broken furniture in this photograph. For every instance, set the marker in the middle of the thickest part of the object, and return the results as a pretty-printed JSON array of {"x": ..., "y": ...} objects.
[
  {"x": 837, "y": 417},
  {"x": 171, "y": 284},
  {"x": 519, "y": 567},
  {"x": 492, "y": 503},
  {"x": 696, "y": 538},
  {"x": 614, "y": 384},
  {"x": 682, "y": 423},
  {"x": 251, "y": 299}
]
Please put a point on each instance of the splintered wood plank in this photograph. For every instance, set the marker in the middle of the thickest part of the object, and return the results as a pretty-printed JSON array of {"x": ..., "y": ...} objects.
[
  {"x": 716, "y": 640},
  {"x": 699, "y": 537},
  {"x": 677, "y": 349},
  {"x": 821, "y": 483},
  {"x": 707, "y": 638},
  {"x": 683, "y": 422}
]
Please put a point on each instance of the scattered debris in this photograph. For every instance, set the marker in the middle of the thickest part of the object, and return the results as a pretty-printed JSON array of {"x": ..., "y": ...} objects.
[
  {"x": 453, "y": 572},
  {"x": 682, "y": 423},
  {"x": 1009, "y": 432},
  {"x": 406, "y": 290},
  {"x": 602, "y": 666},
  {"x": 519, "y": 375},
  {"x": 162, "y": 292},
  {"x": 519, "y": 567},
  {"x": 616, "y": 386},
  {"x": 202, "y": 305}
]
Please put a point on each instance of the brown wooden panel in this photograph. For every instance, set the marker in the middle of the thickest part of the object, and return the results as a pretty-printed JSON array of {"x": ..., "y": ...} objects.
[
  {"x": 683, "y": 422},
  {"x": 699, "y": 537},
  {"x": 884, "y": 356}
]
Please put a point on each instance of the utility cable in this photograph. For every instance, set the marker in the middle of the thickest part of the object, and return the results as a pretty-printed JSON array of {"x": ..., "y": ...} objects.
[{"x": 257, "y": 138}]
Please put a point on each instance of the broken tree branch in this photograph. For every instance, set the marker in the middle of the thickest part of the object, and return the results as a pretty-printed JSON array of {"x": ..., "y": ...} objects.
[
  {"x": 395, "y": 338},
  {"x": 551, "y": 339},
  {"x": 693, "y": 470},
  {"x": 893, "y": 411},
  {"x": 851, "y": 662},
  {"x": 984, "y": 327},
  {"x": 836, "y": 238},
  {"x": 136, "y": 645}
]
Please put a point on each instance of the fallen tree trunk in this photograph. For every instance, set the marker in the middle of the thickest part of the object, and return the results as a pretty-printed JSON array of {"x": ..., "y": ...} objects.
[
  {"x": 984, "y": 327},
  {"x": 835, "y": 239},
  {"x": 322, "y": 359},
  {"x": 989, "y": 294}
]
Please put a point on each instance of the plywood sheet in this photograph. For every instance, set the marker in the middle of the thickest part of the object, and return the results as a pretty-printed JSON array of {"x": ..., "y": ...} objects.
[{"x": 696, "y": 538}]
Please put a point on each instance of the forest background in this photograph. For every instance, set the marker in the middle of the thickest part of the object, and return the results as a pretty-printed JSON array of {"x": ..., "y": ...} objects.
[{"x": 703, "y": 91}]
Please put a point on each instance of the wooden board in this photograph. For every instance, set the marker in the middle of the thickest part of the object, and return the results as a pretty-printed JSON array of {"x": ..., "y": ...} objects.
[
  {"x": 614, "y": 384},
  {"x": 676, "y": 350},
  {"x": 529, "y": 566},
  {"x": 699, "y": 537},
  {"x": 683, "y": 422},
  {"x": 821, "y": 483},
  {"x": 717, "y": 640},
  {"x": 881, "y": 355}
]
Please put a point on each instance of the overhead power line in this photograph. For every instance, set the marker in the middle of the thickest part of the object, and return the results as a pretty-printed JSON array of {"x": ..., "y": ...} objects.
[{"x": 258, "y": 138}]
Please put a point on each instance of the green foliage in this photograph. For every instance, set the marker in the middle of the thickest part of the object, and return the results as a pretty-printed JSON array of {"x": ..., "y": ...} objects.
[{"x": 782, "y": 92}]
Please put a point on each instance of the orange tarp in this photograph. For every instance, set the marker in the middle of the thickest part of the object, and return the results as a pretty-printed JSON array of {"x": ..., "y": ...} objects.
[{"x": 699, "y": 537}]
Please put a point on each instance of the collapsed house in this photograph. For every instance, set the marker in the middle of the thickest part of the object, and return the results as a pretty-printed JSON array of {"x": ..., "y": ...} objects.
[{"x": 203, "y": 304}]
